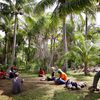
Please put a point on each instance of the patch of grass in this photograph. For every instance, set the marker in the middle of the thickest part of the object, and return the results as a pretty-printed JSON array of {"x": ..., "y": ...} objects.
[
  {"x": 92, "y": 96},
  {"x": 80, "y": 76},
  {"x": 75, "y": 95},
  {"x": 66, "y": 95},
  {"x": 28, "y": 75},
  {"x": 33, "y": 94}
]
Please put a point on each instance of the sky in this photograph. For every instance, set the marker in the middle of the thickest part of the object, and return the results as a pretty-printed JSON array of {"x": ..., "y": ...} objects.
[{"x": 98, "y": 19}]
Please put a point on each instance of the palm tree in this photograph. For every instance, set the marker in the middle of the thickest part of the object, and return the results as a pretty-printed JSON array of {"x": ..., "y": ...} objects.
[
  {"x": 62, "y": 9},
  {"x": 6, "y": 24},
  {"x": 13, "y": 9},
  {"x": 83, "y": 53}
]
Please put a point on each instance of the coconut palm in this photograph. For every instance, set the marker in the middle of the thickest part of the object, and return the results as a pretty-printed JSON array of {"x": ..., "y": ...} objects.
[
  {"x": 6, "y": 24},
  {"x": 13, "y": 8},
  {"x": 62, "y": 9}
]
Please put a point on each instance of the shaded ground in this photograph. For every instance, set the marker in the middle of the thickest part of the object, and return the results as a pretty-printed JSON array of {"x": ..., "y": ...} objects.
[{"x": 34, "y": 89}]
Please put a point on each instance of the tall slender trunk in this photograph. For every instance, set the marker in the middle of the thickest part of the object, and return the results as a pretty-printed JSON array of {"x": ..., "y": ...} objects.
[
  {"x": 54, "y": 47},
  {"x": 86, "y": 33},
  {"x": 28, "y": 54},
  {"x": 65, "y": 43},
  {"x": 51, "y": 52},
  {"x": 16, "y": 46},
  {"x": 85, "y": 69},
  {"x": 14, "y": 39},
  {"x": 29, "y": 44},
  {"x": 6, "y": 48},
  {"x": 86, "y": 26}
]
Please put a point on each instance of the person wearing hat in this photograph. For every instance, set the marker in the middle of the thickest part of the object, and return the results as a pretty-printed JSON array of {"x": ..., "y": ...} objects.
[
  {"x": 16, "y": 84},
  {"x": 62, "y": 77},
  {"x": 52, "y": 78}
]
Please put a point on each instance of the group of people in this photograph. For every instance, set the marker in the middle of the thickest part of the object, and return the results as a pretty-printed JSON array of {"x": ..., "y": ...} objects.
[
  {"x": 63, "y": 79},
  {"x": 12, "y": 74},
  {"x": 70, "y": 84}
]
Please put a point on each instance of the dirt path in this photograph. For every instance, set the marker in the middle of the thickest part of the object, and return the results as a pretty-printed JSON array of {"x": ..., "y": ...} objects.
[{"x": 29, "y": 84}]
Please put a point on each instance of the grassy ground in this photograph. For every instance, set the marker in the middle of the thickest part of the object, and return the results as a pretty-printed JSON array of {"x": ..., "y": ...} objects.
[{"x": 34, "y": 89}]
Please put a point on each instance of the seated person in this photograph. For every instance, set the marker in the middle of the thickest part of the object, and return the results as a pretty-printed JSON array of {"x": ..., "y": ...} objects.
[
  {"x": 17, "y": 84},
  {"x": 2, "y": 74},
  {"x": 41, "y": 73},
  {"x": 74, "y": 85},
  {"x": 12, "y": 72},
  {"x": 52, "y": 78},
  {"x": 62, "y": 77},
  {"x": 95, "y": 82}
]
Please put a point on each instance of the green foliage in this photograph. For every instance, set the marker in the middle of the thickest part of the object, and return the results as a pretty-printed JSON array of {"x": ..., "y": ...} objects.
[{"x": 83, "y": 52}]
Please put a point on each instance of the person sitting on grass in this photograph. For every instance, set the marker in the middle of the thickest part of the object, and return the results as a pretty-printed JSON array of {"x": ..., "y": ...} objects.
[
  {"x": 62, "y": 77},
  {"x": 41, "y": 72},
  {"x": 16, "y": 84},
  {"x": 74, "y": 85},
  {"x": 52, "y": 78},
  {"x": 12, "y": 72},
  {"x": 2, "y": 74},
  {"x": 95, "y": 82}
]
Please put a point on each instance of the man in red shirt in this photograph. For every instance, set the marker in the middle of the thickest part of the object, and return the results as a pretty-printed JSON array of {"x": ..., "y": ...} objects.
[
  {"x": 2, "y": 74},
  {"x": 41, "y": 72}
]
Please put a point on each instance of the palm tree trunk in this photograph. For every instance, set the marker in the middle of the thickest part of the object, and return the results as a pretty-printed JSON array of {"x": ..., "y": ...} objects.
[
  {"x": 65, "y": 43},
  {"x": 51, "y": 52},
  {"x": 54, "y": 47},
  {"x": 5, "y": 48},
  {"x": 14, "y": 39},
  {"x": 86, "y": 27},
  {"x": 29, "y": 44},
  {"x": 85, "y": 69}
]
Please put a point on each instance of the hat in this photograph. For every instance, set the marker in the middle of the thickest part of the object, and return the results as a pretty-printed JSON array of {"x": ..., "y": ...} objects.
[
  {"x": 53, "y": 68},
  {"x": 59, "y": 71},
  {"x": 16, "y": 74}
]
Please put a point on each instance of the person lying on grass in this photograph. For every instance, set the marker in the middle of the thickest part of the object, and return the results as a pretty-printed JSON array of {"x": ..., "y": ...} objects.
[
  {"x": 95, "y": 82},
  {"x": 62, "y": 77},
  {"x": 17, "y": 84},
  {"x": 74, "y": 85}
]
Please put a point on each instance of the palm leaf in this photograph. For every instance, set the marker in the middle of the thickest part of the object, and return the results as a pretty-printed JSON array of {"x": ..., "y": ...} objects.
[
  {"x": 74, "y": 6},
  {"x": 40, "y": 7}
]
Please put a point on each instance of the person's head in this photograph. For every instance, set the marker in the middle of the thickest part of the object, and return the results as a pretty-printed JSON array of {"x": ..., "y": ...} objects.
[
  {"x": 59, "y": 71},
  {"x": 12, "y": 68},
  {"x": 52, "y": 69}
]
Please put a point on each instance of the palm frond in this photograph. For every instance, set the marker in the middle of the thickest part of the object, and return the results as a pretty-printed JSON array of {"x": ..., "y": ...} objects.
[
  {"x": 74, "y": 6},
  {"x": 40, "y": 7},
  {"x": 4, "y": 2}
]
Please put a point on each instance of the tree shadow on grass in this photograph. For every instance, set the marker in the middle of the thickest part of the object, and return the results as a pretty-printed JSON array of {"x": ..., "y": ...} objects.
[
  {"x": 32, "y": 94},
  {"x": 75, "y": 95},
  {"x": 32, "y": 90},
  {"x": 92, "y": 96}
]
